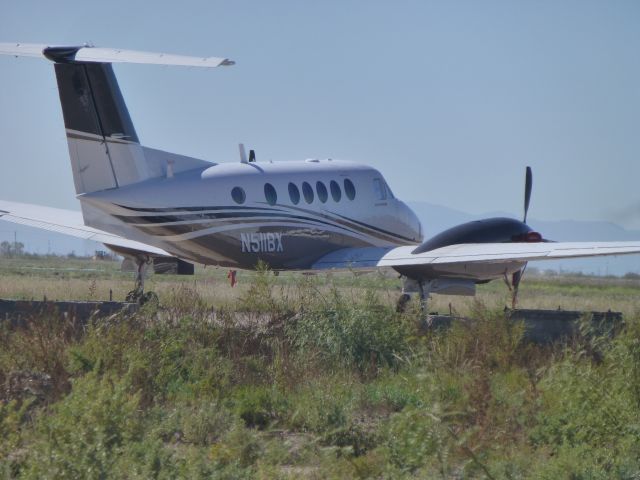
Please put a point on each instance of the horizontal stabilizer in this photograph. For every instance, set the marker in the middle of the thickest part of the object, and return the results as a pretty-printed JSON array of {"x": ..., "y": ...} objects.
[
  {"x": 89, "y": 54},
  {"x": 22, "y": 49}
]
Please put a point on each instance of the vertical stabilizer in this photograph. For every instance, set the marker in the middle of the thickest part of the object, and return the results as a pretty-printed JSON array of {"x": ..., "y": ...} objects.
[{"x": 103, "y": 144}]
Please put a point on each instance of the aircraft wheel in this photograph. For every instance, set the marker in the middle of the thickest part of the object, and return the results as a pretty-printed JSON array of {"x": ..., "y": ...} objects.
[
  {"x": 133, "y": 296},
  {"x": 149, "y": 297}
]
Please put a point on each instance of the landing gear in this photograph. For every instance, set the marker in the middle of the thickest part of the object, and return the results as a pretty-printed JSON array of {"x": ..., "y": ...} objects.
[
  {"x": 422, "y": 287},
  {"x": 138, "y": 295},
  {"x": 516, "y": 278},
  {"x": 515, "y": 281},
  {"x": 425, "y": 290}
]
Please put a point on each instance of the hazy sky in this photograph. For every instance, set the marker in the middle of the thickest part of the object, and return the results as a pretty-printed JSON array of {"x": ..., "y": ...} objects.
[{"x": 449, "y": 99}]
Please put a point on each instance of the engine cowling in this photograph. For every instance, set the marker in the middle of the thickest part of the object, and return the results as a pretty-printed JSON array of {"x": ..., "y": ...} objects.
[{"x": 489, "y": 230}]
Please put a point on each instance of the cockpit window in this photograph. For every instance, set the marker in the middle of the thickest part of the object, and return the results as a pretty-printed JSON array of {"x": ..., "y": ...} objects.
[
  {"x": 389, "y": 192},
  {"x": 379, "y": 192}
]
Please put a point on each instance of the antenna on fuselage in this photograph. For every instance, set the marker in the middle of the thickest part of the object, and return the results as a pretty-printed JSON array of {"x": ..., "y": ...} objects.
[{"x": 243, "y": 154}]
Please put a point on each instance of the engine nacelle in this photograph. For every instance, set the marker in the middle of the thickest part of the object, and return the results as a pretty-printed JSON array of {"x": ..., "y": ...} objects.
[{"x": 489, "y": 230}]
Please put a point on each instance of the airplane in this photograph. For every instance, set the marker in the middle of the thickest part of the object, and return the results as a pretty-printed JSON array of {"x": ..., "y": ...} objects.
[{"x": 310, "y": 215}]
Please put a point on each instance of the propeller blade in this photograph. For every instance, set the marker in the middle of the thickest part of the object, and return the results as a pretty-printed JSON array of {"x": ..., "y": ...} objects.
[
  {"x": 252, "y": 156},
  {"x": 528, "y": 185}
]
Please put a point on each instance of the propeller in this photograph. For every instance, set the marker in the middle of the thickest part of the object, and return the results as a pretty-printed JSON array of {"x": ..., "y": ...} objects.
[
  {"x": 517, "y": 276},
  {"x": 528, "y": 184},
  {"x": 252, "y": 156}
]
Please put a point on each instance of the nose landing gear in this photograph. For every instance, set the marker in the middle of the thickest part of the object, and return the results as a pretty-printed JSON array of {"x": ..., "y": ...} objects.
[
  {"x": 422, "y": 287},
  {"x": 516, "y": 278}
]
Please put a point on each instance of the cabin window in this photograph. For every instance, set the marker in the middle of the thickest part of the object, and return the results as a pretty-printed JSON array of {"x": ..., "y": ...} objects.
[
  {"x": 270, "y": 194},
  {"x": 238, "y": 195},
  {"x": 294, "y": 193},
  {"x": 322, "y": 192},
  {"x": 335, "y": 191},
  {"x": 349, "y": 189},
  {"x": 307, "y": 191},
  {"x": 379, "y": 191}
]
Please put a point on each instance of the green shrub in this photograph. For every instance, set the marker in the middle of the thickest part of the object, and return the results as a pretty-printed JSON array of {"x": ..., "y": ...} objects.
[
  {"x": 239, "y": 448},
  {"x": 39, "y": 344},
  {"x": 417, "y": 440},
  {"x": 391, "y": 392},
  {"x": 324, "y": 404},
  {"x": 589, "y": 415},
  {"x": 13, "y": 415},
  {"x": 366, "y": 336},
  {"x": 260, "y": 297},
  {"x": 86, "y": 432},
  {"x": 199, "y": 422},
  {"x": 161, "y": 360},
  {"x": 259, "y": 406}
]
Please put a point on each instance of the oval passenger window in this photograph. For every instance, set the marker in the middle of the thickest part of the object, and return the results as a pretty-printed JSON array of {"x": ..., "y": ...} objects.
[
  {"x": 349, "y": 189},
  {"x": 294, "y": 193},
  {"x": 270, "y": 194},
  {"x": 335, "y": 191},
  {"x": 238, "y": 195},
  {"x": 307, "y": 191},
  {"x": 322, "y": 192}
]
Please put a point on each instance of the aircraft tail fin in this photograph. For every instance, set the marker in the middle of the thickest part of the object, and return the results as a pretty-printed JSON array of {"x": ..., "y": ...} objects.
[{"x": 103, "y": 145}]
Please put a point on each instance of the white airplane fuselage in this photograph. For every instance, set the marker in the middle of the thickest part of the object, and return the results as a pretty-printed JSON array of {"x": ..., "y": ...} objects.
[{"x": 287, "y": 214}]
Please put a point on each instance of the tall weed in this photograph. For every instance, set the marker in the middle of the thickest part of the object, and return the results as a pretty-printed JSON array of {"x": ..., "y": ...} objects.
[{"x": 366, "y": 336}]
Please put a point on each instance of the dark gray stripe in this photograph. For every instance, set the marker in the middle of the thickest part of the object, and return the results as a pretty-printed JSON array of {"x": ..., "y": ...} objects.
[
  {"x": 91, "y": 100},
  {"x": 346, "y": 222}
]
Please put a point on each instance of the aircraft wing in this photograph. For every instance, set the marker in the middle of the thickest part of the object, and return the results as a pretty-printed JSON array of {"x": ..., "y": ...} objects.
[
  {"x": 472, "y": 253},
  {"x": 67, "y": 222}
]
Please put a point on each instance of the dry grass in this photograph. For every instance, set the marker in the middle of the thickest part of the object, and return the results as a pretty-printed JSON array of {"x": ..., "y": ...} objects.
[{"x": 84, "y": 279}]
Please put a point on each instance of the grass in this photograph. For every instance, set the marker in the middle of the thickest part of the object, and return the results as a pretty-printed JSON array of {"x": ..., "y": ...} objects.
[
  {"x": 322, "y": 379},
  {"x": 60, "y": 278}
]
